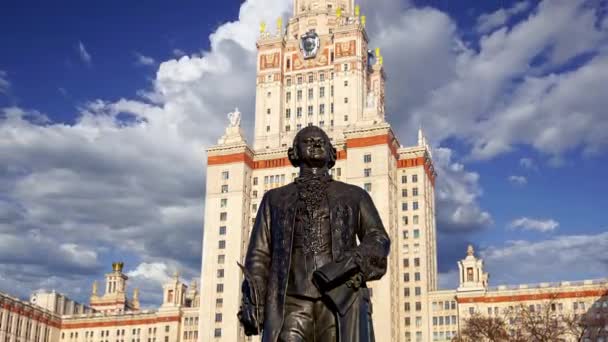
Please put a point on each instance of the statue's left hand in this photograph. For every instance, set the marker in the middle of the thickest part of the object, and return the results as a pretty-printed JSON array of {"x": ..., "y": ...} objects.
[{"x": 248, "y": 318}]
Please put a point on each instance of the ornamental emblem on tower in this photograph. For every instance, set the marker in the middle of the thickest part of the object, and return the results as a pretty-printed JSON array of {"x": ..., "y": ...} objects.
[{"x": 309, "y": 44}]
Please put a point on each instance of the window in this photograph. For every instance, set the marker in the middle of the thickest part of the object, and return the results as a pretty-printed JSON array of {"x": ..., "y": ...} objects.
[
  {"x": 224, "y": 188},
  {"x": 288, "y": 63},
  {"x": 321, "y": 123},
  {"x": 220, "y": 273},
  {"x": 322, "y": 92},
  {"x": 415, "y": 192},
  {"x": 405, "y": 234},
  {"x": 288, "y": 128},
  {"x": 223, "y": 202},
  {"x": 416, "y": 233},
  {"x": 406, "y": 307},
  {"x": 469, "y": 273},
  {"x": 346, "y": 100},
  {"x": 299, "y": 112},
  {"x": 166, "y": 328},
  {"x": 367, "y": 172},
  {"x": 267, "y": 128},
  {"x": 268, "y": 111},
  {"x": 223, "y": 230},
  {"x": 331, "y": 90},
  {"x": 299, "y": 95},
  {"x": 299, "y": 79},
  {"x": 404, "y": 179},
  {"x": 415, "y": 219},
  {"x": 417, "y": 276},
  {"x": 322, "y": 109},
  {"x": 311, "y": 94},
  {"x": 416, "y": 262},
  {"x": 217, "y": 332},
  {"x": 418, "y": 306},
  {"x": 219, "y": 288},
  {"x": 471, "y": 310},
  {"x": 403, "y": 192},
  {"x": 367, "y": 158},
  {"x": 405, "y": 220},
  {"x": 415, "y": 205},
  {"x": 311, "y": 78},
  {"x": 299, "y": 126},
  {"x": 255, "y": 181},
  {"x": 321, "y": 77},
  {"x": 345, "y": 67},
  {"x": 414, "y": 178},
  {"x": 218, "y": 317},
  {"x": 223, "y": 216},
  {"x": 406, "y": 291},
  {"x": 288, "y": 81},
  {"x": 368, "y": 187},
  {"x": 406, "y": 262},
  {"x": 225, "y": 175},
  {"x": 222, "y": 244},
  {"x": 331, "y": 107},
  {"x": 310, "y": 110},
  {"x": 338, "y": 172},
  {"x": 417, "y": 291},
  {"x": 288, "y": 96},
  {"x": 418, "y": 322},
  {"x": 404, "y": 206},
  {"x": 407, "y": 321},
  {"x": 406, "y": 277},
  {"x": 219, "y": 302},
  {"x": 416, "y": 248},
  {"x": 254, "y": 207}
]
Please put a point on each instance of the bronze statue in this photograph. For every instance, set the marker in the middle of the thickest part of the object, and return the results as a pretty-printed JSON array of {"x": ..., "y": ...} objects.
[{"x": 305, "y": 276}]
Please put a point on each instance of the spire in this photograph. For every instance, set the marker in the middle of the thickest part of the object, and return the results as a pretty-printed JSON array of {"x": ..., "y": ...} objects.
[{"x": 470, "y": 250}]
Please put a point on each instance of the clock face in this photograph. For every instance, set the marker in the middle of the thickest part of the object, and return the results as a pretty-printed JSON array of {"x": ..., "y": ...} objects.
[{"x": 309, "y": 44}]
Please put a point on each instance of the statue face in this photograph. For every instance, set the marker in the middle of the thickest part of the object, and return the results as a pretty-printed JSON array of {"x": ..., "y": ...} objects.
[{"x": 313, "y": 147}]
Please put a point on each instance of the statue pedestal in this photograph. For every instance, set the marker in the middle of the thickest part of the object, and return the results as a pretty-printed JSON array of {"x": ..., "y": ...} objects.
[{"x": 233, "y": 135}]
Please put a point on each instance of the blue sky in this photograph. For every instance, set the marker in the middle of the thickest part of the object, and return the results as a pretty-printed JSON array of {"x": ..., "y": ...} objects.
[{"x": 106, "y": 109}]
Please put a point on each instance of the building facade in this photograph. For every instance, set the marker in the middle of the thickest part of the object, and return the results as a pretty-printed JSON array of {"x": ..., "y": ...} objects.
[
  {"x": 320, "y": 69},
  {"x": 111, "y": 317}
]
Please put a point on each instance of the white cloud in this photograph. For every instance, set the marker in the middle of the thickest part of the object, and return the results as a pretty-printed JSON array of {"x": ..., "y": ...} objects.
[
  {"x": 569, "y": 257},
  {"x": 457, "y": 193},
  {"x": 4, "y": 83},
  {"x": 490, "y": 21},
  {"x": 157, "y": 272},
  {"x": 540, "y": 225},
  {"x": 528, "y": 163},
  {"x": 144, "y": 60},
  {"x": 84, "y": 54},
  {"x": 518, "y": 180},
  {"x": 537, "y": 83},
  {"x": 178, "y": 53}
]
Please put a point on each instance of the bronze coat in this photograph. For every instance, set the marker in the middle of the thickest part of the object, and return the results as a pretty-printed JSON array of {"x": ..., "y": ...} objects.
[{"x": 352, "y": 215}]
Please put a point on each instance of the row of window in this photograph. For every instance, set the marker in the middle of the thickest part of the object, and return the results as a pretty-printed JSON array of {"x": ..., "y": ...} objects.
[
  {"x": 415, "y": 249},
  {"x": 310, "y": 111},
  {"x": 404, "y": 179},
  {"x": 417, "y": 306},
  {"x": 191, "y": 321},
  {"x": 191, "y": 335},
  {"x": 444, "y": 335},
  {"x": 405, "y": 220},
  {"x": 417, "y": 291},
  {"x": 119, "y": 332},
  {"x": 415, "y": 206},
  {"x": 311, "y": 93},
  {"x": 441, "y": 305},
  {"x": 299, "y": 79},
  {"x": 406, "y": 234},
  {"x": 447, "y": 320},
  {"x": 408, "y": 336},
  {"x": 406, "y": 262},
  {"x": 414, "y": 192},
  {"x": 406, "y": 277}
]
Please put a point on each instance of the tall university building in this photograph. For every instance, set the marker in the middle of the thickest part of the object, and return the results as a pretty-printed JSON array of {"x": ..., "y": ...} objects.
[{"x": 320, "y": 69}]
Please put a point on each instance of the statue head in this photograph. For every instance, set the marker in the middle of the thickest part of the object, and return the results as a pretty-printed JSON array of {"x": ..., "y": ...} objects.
[{"x": 312, "y": 149}]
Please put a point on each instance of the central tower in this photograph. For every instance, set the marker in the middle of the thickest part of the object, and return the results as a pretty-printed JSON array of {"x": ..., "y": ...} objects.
[{"x": 318, "y": 68}]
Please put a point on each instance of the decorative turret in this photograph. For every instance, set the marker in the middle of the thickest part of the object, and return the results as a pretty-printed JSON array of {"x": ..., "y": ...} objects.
[
  {"x": 114, "y": 298},
  {"x": 471, "y": 273},
  {"x": 174, "y": 293}
]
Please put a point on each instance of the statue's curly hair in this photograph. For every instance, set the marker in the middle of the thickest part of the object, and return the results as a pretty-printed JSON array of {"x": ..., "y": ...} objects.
[{"x": 294, "y": 155}]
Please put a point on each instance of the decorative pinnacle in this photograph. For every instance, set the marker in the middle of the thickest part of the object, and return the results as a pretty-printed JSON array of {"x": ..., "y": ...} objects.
[
  {"x": 363, "y": 20},
  {"x": 357, "y": 10},
  {"x": 117, "y": 266},
  {"x": 262, "y": 27},
  {"x": 339, "y": 12},
  {"x": 470, "y": 251}
]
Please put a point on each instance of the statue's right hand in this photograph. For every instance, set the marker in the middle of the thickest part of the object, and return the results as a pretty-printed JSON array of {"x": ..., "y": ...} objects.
[{"x": 248, "y": 319}]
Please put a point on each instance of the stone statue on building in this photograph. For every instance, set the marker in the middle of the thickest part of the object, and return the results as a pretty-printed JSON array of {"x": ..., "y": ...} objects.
[
  {"x": 305, "y": 275},
  {"x": 235, "y": 118}
]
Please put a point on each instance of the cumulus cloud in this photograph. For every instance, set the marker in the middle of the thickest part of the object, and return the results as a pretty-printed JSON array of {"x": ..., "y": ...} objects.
[
  {"x": 84, "y": 55},
  {"x": 144, "y": 60},
  {"x": 4, "y": 83},
  {"x": 518, "y": 180},
  {"x": 539, "y": 225},
  {"x": 536, "y": 83},
  {"x": 528, "y": 164},
  {"x": 457, "y": 194},
  {"x": 490, "y": 21},
  {"x": 568, "y": 257},
  {"x": 178, "y": 53}
]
